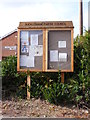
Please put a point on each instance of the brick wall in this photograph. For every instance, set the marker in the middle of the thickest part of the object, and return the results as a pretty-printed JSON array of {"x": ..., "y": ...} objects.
[
  {"x": 8, "y": 43},
  {"x": 0, "y": 50}
]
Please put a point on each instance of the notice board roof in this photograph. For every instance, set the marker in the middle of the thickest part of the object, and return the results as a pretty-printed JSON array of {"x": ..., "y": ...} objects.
[{"x": 46, "y": 24}]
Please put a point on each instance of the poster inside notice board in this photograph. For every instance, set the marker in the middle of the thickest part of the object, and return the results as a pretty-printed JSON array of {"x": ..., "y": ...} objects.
[{"x": 31, "y": 49}]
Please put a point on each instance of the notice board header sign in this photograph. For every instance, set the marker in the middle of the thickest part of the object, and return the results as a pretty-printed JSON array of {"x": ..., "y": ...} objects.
[
  {"x": 45, "y": 46},
  {"x": 47, "y": 24}
]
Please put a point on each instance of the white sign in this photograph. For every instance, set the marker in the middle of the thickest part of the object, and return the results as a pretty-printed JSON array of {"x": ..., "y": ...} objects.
[
  {"x": 53, "y": 55},
  {"x": 61, "y": 44},
  {"x": 34, "y": 39},
  {"x": 63, "y": 57},
  {"x": 10, "y": 47}
]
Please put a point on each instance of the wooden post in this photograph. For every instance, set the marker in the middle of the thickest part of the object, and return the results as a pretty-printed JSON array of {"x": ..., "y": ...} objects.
[
  {"x": 62, "y": 77},
  {"x": 28, "y": 86},
  {"x": 81, "y": 17}
]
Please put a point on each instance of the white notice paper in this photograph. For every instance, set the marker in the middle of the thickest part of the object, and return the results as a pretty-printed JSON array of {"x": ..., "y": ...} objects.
[
  {"x": 53, "y": 55},
  {"x": 27, "y": 61},
  {"x": 34, "y": 39},
  {"x": 31, "y": 51},
  {"x": 61, "y": 44},
  {"x": 38, "y": 50},
  {"x": 30, "y": 61},
  {"x": 23, "y": 60},
  {"x": 24, "y": 35},
  {"x": 63, "y": 57},
  {"x": 24, "y": 38}
]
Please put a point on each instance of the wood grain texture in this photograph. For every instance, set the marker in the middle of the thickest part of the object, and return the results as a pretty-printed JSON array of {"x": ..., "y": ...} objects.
[
  {"x": 62, "y": 77},
  {"x": 72, "y": 51},
  {"x": 45, "y": 24},
  {"x": 46, "y": 52},
  {"x": 18, "y": 51},
  {"x": 45, "y": 27},
  {"x": 44, "y": 48},
  {"x": 28, "y": 86}
]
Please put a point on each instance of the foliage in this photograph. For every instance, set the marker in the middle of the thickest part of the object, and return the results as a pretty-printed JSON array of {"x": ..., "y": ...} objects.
[
  {"x": 9, "y": 67},
  {"x": 80, "y": 84},
  {"x": 12, "y": 81},
  {"x": 48, "y": 85},
  {"x": 56, "y": 93},
  {"x": 82, "y": 54},
  {"x": 39, "y": 81}
]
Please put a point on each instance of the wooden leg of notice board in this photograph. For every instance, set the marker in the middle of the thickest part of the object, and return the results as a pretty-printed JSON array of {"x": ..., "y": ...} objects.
[
  {"x": 62, "y": 77},
  {"x": 28, "y": 86}
]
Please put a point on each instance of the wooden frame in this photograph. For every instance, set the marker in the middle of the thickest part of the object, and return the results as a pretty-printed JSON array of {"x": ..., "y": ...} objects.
[
  {"x": 72, "y": 66},
  {"x": 45, "y": 28},
  {"x": 18, "y": 55}
]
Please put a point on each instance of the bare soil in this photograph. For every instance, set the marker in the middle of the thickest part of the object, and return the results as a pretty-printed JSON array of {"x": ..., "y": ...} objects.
[{"x": 40, "y": 108}]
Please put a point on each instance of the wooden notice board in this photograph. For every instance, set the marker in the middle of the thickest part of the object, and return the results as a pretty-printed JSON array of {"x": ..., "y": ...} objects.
[{"x": 45, "y": 46}]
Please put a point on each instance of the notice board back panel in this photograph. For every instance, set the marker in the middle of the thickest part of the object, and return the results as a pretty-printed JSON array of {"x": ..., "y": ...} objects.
[
  {"x": 31, "y": 49},
  {"x": 59, "y": 41}
]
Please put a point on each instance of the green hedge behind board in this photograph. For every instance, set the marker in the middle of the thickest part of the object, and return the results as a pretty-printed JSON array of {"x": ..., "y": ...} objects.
[{"x": 48, "y": 85}]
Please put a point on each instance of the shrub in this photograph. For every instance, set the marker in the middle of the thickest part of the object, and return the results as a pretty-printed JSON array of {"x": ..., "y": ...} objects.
[
  {"x": 38, "y": 82},
  {"x": 80, "y": 84},
  {"x": 48, "y": 85},
  {"x": 12, "y": 81},
  {"x": 56, "y": 93}
]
